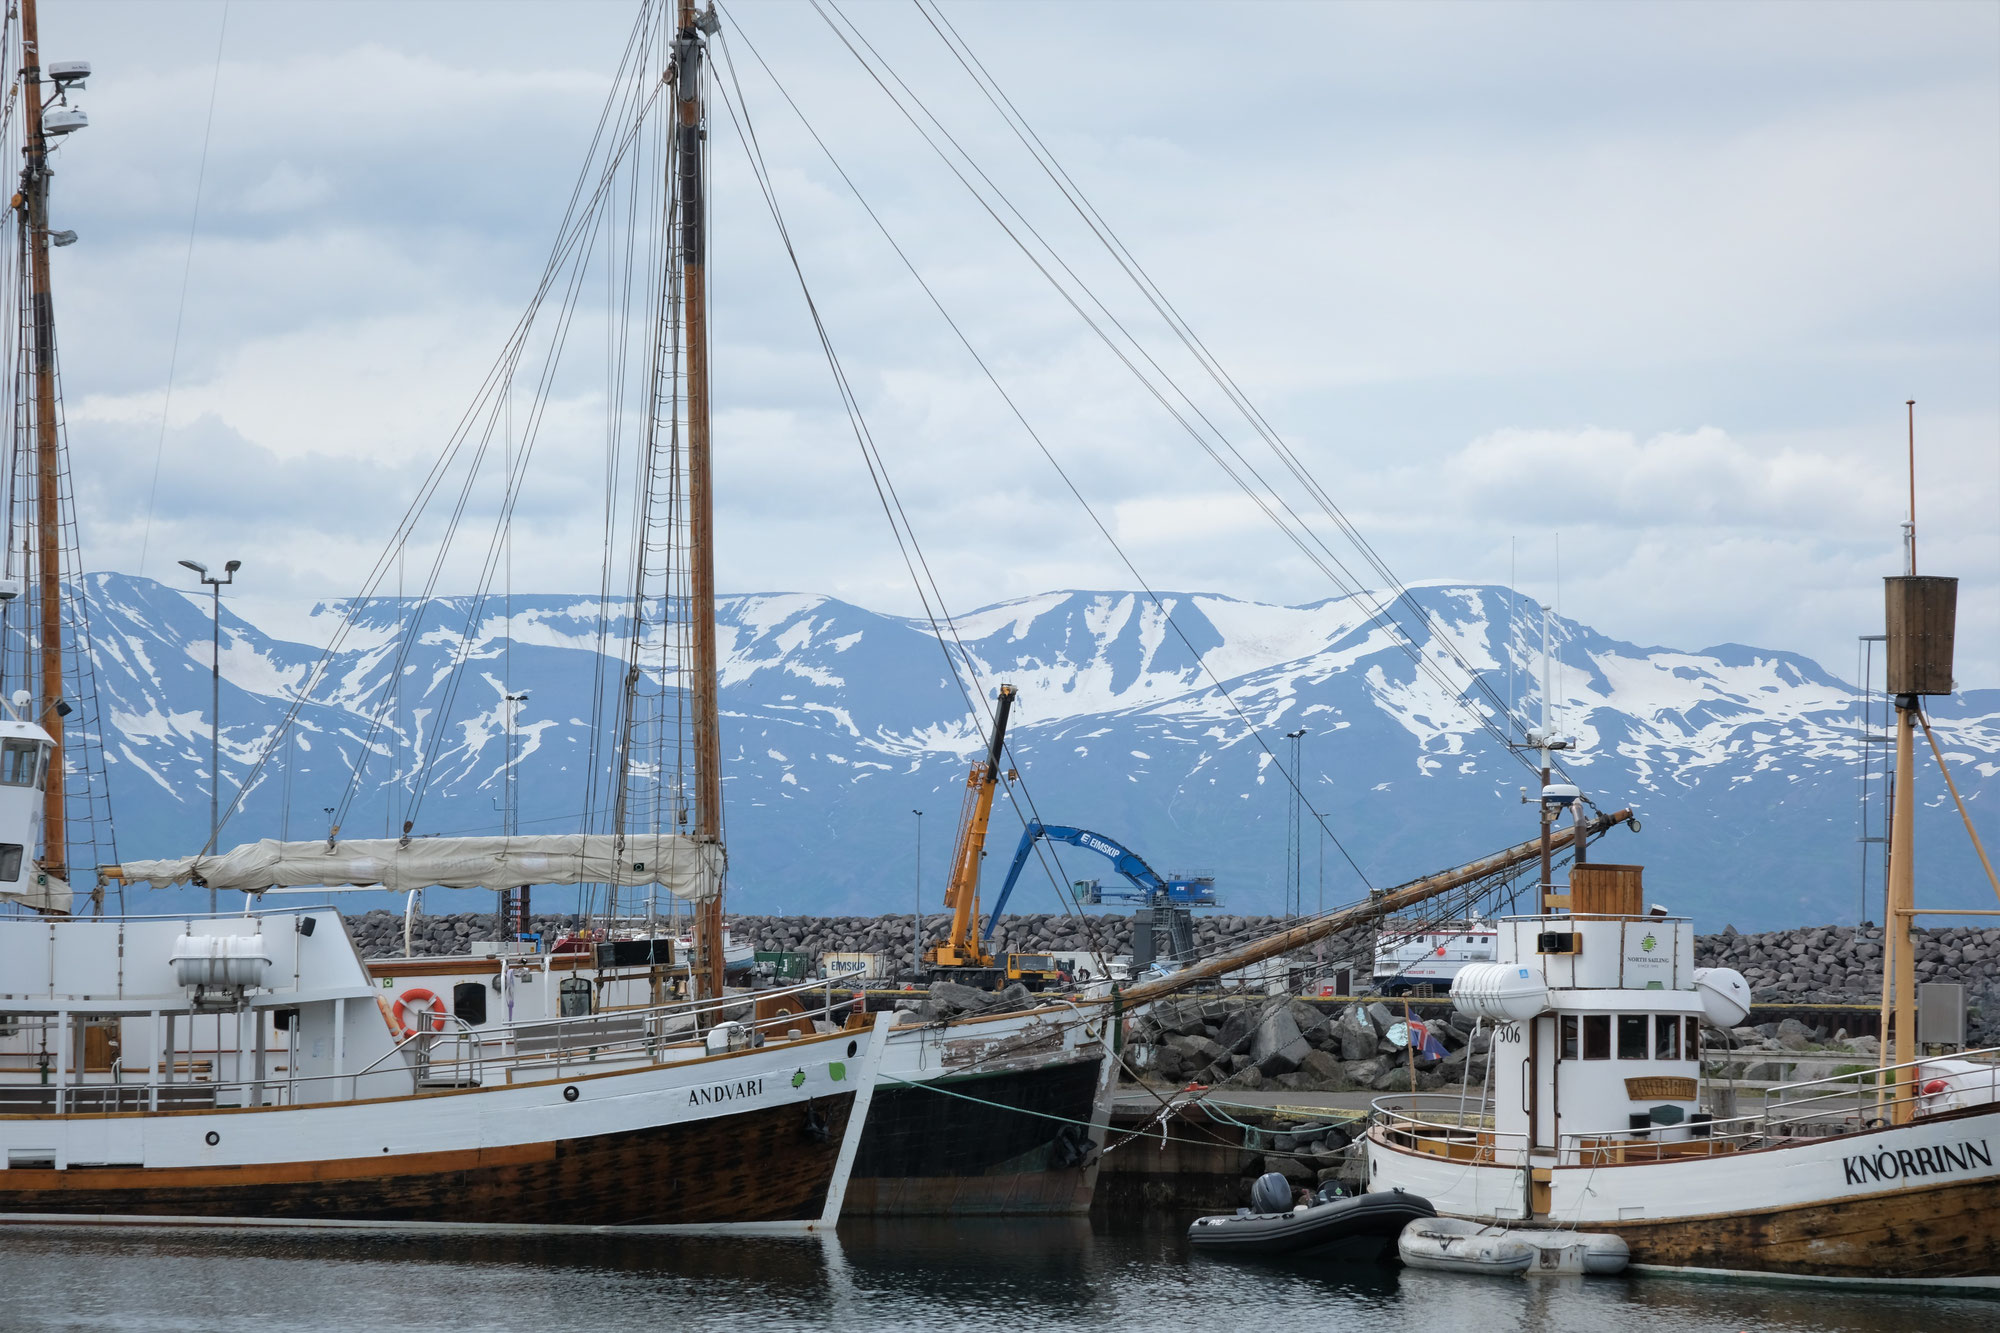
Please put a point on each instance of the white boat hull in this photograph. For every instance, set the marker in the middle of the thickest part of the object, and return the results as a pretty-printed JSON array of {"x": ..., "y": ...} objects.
[{"x": 1914, "y": 1204}]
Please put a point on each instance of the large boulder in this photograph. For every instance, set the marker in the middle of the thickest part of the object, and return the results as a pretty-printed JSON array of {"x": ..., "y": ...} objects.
[
  {"x": 1291, "y": 1168},
  {"x": 949, "y": 997},
  {"x": 1356, "y": 1034},
  {"x": 1396, "y": 1078},
  {"x": 1323, "y": 1070},
  {"x": 1278, "y": 1046},
  {"x": 1198, "y": 1054},
  {"x": 1363, "y": 1073},
  {"x": 1238, "y": 1029},
  {"x": 1311, "y": 1019},
  {"x": 1179, "y": 1018}
]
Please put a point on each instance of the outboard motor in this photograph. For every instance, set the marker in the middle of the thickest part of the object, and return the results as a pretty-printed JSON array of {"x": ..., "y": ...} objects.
[{"x": 1271, "y": 1194}]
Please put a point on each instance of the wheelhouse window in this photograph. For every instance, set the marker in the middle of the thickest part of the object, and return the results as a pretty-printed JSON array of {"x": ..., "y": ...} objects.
[
  {"x": 1691, "y": 1038},
  {"x": 10, "y": 862},
  {"x": 1569, "y": 1041},
  {"x": 1666, "y": 1037},
  {"x": 20, "y": 763},
  {"x": 1632, "y": 1036},
  {"x": 1597, "y": 1036}
]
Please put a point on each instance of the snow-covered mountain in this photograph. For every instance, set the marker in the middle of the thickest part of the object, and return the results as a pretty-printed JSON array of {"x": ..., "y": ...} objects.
[{"x": 1158, "y": 725}]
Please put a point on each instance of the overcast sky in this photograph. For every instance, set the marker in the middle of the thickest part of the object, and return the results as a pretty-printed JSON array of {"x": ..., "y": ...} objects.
[{"x": 1655, "y": 278}]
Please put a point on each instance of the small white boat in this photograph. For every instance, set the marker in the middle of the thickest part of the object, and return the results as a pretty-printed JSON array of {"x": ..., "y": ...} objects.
[
  {"x": 1455, "y": 1245},
  {"x": 1594, "y": 1252},
  {"x": 1459, "y": 1245}
]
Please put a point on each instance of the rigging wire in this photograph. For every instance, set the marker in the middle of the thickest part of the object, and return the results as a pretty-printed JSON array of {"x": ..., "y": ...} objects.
[
  {"x": 578, "y": 223},
  {"x": 180, "y": 309},
  {"x": 1129, "y": 264},
  {"x": 1048, "y": 454},
  {"x": 901, "y": 529},
  {"x": 1301, "y": 536}
]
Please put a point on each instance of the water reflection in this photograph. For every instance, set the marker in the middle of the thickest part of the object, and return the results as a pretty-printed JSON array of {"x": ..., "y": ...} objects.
[{"x": 939, "y": 1274}]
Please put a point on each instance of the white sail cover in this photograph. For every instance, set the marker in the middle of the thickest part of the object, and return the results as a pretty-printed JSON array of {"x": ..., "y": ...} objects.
[
  {"x": 40, "y": 890},
  {"x": 683, "y": 866}
]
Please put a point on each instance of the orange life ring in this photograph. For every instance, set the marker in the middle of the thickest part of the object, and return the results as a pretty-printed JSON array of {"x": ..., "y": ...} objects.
[{"x": 410, "y": 997}]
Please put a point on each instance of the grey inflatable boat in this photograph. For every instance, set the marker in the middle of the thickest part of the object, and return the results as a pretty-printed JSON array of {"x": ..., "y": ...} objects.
[{"x": 1336, "y": 1226}]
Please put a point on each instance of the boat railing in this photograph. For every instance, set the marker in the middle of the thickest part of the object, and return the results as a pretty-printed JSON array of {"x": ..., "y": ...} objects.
[
  {"x": 1450, "y": 1126},
  {"x": 456, "y": 1056},
  {"x": 1870, "y": 1097},
  {"x": 1462, "y": 1129},
  {"x": 657, "y": 1034}
]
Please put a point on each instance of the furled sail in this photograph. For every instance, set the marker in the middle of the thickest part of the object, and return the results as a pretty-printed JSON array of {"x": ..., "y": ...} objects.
[
  {"x": 40, "y": 890},
  {"x": 683, "y": 866}
]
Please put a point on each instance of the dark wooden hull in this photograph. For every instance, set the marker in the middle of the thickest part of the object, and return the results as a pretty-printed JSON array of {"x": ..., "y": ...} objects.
[
  {"x": 765, "y": 1165},
  {"x": 1936, "y": 1233},
  {"x": 925, "y": 1152}
]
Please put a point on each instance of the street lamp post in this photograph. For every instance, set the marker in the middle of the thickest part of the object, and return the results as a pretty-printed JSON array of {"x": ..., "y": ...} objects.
[
  {"x": 215, "y": 586},
  {"x": 1295, "y": 834},
  {"x": 511, "y": 824},
  {"x": 917, "y": 934}
]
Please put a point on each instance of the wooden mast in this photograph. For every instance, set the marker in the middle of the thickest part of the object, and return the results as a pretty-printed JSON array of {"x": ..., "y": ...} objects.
[
  {"x": 701, "y": 504},
  {"x": 1920, "y": 615},
  {"x": 48, "y": 512}
]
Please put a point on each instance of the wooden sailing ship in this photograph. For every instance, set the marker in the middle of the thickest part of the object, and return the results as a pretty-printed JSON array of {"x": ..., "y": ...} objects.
[
  {"x": 1593, "y": 1116},
  {"x": 248, "y": 1068}
]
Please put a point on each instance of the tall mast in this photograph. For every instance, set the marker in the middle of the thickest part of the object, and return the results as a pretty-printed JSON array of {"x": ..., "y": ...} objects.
[
  {"x": 48, "y": 514},
  {"x": 701, "y": 504},
  {"x": 1920, "y": 623}
]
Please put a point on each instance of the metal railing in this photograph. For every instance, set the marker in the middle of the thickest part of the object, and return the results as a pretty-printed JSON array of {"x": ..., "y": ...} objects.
[
  {"x": 460, "y": 1056},
  {"x": 1873, "y": 1097},
  {"x": 1462, "y": 1130}
]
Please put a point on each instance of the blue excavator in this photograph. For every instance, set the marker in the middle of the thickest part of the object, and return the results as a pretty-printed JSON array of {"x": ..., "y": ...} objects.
[{"x": 1163, "y": 927}]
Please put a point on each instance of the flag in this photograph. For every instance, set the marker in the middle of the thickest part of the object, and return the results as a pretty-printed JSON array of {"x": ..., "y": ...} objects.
[{"x": 1428, "y": 1046}]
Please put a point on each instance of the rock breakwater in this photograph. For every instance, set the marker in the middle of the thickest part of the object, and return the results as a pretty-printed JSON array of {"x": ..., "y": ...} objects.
[{"x": 1807, "y": 965}]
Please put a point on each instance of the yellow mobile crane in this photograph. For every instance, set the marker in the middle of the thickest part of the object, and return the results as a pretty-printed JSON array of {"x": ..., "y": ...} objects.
[{"x": 961, "y": 957}]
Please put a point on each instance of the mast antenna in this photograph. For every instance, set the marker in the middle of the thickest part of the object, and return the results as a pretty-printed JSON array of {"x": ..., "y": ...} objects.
[{"x": 1910, "y": 524}]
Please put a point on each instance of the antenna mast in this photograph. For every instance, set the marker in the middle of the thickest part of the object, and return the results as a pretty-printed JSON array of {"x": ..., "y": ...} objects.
[{"x": 1910, "y": 526}]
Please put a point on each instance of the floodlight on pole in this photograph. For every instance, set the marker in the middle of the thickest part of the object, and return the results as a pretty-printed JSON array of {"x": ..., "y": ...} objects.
[{"x": 215, "y": 587}]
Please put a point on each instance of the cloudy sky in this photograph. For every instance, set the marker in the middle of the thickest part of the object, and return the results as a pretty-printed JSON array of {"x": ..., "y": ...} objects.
[{"x": 1647, "y": 283}]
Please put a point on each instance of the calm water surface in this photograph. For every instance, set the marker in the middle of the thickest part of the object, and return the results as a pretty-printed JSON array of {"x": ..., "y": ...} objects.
[{"x": 929, "y": 1275}]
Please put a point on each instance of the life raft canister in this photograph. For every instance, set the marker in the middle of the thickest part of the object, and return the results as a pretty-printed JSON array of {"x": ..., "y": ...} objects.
[{"x": 399, "y": 1015}]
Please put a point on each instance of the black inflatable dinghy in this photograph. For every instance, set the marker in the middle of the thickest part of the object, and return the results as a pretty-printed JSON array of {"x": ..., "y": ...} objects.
[{"x": 1363, "y": 1226}]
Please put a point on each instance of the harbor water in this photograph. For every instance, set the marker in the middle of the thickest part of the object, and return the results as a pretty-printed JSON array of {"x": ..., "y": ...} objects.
[{"x": 1068, "y": 1275}]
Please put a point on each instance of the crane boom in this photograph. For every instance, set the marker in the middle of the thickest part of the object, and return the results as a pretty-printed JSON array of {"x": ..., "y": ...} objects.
[
  {"x": 962, "y": 949},
  {"x": 1151, "y": 888}
]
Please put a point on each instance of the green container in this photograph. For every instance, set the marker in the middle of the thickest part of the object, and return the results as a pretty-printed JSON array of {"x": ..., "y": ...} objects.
[{"x": 784, "y": 966}]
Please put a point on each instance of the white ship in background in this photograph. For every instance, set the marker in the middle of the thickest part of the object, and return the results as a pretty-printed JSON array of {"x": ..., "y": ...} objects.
[{"x": 1411, "y": 956}]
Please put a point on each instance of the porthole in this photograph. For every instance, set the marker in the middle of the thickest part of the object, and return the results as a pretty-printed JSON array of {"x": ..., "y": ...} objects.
[
  {"x": 853, "y": 1047},
  {"x": 571, "y": 1093},
  {"x": 212, "y": 1138}
]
